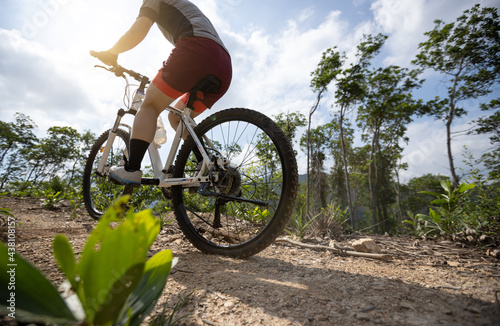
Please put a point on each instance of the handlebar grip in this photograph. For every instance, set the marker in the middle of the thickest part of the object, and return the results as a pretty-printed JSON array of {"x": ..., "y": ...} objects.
[{"x": 116, "y": 68}]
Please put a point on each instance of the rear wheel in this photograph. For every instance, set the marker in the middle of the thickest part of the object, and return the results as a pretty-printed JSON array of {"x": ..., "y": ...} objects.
[
  {"x": 98, "y": 191},
  {"x": 255, "y": 189}
]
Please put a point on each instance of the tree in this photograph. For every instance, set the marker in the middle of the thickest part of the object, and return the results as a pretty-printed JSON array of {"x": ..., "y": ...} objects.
[
  {"x": 490, "y": 125},
  {"x": 14, "y": 138},
  {"x": 328, "y": 69},
  {"x": 349, "y": 89},
  {"x": 387, "y": 108},
  {"x": 86, "y": 142},
  {"x": 340, "y": 147},
  {"x": 468, "y": 52},
  {"x": 51, "y": 155},
  {"x": 317, "y": 140},
  {"x": 289, "y": 123}
]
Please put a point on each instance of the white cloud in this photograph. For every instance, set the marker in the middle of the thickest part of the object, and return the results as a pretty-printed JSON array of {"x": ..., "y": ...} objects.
[
  {"x": 34, "y": 82},
  {"x": 407, "y": 21},
  {"x": 272, "y": 70}
]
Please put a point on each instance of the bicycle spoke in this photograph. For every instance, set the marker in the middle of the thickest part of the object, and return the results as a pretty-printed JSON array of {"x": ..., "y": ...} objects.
[{"x": 245, "y": 194}]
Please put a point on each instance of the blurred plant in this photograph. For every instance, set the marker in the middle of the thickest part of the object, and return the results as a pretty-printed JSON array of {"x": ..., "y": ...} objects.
[
  {"x": 5, "y": 213},
  {"x": 170, "y": 320},
  {"x": 75, "y": 205},
  {"x": 255, "y": 215},
  {"x": 164, "y": 219},
  {"x": 108, "y": 288},
  {"x": 21, "y": 189},
  {"x": 415, "y": 222},
  {"x": 51, "y": 199}
]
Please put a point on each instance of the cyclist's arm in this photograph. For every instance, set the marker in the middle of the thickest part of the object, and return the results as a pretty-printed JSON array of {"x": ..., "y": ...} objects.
[{"x": 133, "y": 36}]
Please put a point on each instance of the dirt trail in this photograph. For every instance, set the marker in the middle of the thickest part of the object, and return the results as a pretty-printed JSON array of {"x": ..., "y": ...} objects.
[{"x": 425, "y": 283}]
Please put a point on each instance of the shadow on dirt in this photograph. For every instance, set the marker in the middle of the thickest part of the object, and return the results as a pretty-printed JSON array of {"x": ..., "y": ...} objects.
[{"x": 312, "y": 291}]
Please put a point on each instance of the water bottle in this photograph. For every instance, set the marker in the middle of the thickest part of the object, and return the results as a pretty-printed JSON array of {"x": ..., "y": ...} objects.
[
  {"x": 161, "y": 133},
  {"x": 137, "y": 101}
]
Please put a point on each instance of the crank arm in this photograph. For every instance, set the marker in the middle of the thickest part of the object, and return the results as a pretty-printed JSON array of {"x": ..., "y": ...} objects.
[{"x": 205, "y": 192}]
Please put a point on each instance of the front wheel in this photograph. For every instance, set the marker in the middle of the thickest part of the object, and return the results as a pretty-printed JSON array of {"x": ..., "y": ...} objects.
[
  {"x": 98, "y": 191},
  {"x": 256, "y": 187}
]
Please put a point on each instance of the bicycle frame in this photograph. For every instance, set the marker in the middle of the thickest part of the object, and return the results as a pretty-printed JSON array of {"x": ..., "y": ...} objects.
[{"x": 162, "y": 173}]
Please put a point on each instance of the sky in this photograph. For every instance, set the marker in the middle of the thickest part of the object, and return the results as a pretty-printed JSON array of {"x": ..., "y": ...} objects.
[{"x": 47, "y": 73}]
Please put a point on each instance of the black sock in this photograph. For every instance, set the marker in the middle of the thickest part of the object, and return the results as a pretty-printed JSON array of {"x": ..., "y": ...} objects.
[{"x": 138, "y": 149}]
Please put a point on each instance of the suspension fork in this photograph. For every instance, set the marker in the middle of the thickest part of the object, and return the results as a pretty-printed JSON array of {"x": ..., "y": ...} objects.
[{"x": 111, "y": 139}]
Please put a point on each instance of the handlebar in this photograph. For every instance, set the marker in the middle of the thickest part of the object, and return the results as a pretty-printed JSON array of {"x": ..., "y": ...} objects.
[{"x": 119, "y": 71}]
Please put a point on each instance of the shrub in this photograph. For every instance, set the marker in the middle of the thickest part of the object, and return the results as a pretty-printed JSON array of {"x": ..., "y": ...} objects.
[{"x": 448, "y": 217}]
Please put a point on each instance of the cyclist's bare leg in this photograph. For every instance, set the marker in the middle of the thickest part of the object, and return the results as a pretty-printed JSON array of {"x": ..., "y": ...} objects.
[
  {"x": 143, "y": 132},
  {"x": 155, "y": 102}
]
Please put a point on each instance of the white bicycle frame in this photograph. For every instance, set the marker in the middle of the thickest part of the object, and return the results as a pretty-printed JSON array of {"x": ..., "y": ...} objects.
[{"x": 163, "y": 173}]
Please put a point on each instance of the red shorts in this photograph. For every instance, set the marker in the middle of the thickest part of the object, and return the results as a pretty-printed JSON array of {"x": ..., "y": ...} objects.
[{"x": 192, "y": 59}]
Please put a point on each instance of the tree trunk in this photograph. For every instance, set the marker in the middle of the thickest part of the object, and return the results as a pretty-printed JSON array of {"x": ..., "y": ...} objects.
[
  {"x": 31, "y": 172},
  {"x": 313, "y": 109},
  {"x": 5, "y": 152},
  {"x": 397, "y": 189},
  {"x": 373, "y": 179},
  {"x": 372, "y": 190},
  {"x": 308, "y": 172},
  {"x": 346, "y": 172},
  {"x": 449, "y": 120}
]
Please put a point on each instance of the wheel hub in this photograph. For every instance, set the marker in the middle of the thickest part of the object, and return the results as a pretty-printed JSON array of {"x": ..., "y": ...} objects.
[{"x": 228, "y": 181}]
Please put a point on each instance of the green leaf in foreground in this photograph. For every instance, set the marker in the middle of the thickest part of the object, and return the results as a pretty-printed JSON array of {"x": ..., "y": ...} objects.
[
  {"x": 146, "y": 294},
  {"x": 36, "y": 299},
  {"x": 112, "y": 261}
]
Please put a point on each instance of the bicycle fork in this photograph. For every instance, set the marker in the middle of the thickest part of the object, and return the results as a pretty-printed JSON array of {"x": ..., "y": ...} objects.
[{"x": 111, "y": 139}]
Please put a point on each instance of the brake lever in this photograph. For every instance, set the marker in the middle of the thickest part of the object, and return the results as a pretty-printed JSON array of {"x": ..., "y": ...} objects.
[
  {"x": 117, "y": 70},
  {"x": 105, "y": 68}
]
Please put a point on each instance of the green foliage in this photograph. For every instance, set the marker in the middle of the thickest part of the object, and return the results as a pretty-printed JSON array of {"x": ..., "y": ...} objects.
[
  {"x": 255, "y": 215},
  {"x": 110, "y": 287},
  {"x": 28, "y": 163},
  {"x": 332, "y": 221},
  {"x": 482, "y": 206},
  {"x": 164, "y": 219},
  {"x": 168, "y": 320},
  {"x": 490, "y": 125},
  {"x": 329, "y": 67},
  {"x": 467, "y": 51},
  {"x": 35, "y": 298},
  {"x": 51, "y": 199},
  {"x": 5, "y": 213},
  {"x": 417, "y": 201},
  {"x": 75, "y": 205},
  {"x": 289, "y": 123},
  {"x": 299, "y": 224},
  {"x": 448, "y": 217}
]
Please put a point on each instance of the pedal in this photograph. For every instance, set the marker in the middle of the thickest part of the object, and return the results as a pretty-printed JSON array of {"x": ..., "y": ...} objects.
[{"x": 150, "y": 181}]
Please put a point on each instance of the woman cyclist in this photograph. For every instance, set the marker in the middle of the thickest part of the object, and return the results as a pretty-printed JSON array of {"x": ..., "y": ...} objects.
[{"x": 198, "y": 52}]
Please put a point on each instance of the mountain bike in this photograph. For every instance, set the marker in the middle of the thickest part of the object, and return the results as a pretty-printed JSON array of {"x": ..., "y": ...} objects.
[{"x": 233, "y": 183}]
